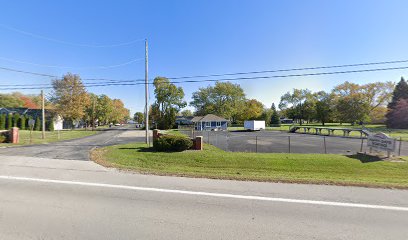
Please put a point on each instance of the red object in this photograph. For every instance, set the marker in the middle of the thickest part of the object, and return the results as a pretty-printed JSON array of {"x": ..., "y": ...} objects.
[
  {"x": 198, "y": 143},
  {"x": 14, "y": 135}
]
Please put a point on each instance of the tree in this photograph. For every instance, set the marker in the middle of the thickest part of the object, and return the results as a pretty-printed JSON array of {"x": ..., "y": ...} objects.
[
  {"x": 10, "y": 101},
  {"x": 119, "y": 113},
  {"x": 224, "y": 99},
  {"x": 37, "y": 124},
  {"x": 398, "y": 117},
  {"x": 21, "y": 122},
  {"x": 186, "y": 113},
  {"x": 352, "y": 109},
  {"x": 139, "y": 117},
  {"x": 49, "y": 125},
  {"x": 294, "y": 104},
  {"x": 9, "y": 121},
  {"x": 324, "y": 107},
  {"x": 2, "y": 121},
  {"x": 70, "y": 97},
  {"x": 169, "y": 101},
  {"x": 252, "y": 109},
  {"x": 16, "y": 118},
  {"x": 275, "y": 119},
  {"x": 104, "y": 109},
  {"x": 400, "y": 92}
]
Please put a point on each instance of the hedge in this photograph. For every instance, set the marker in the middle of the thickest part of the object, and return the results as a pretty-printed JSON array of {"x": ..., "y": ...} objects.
[{"x": 171, "y": 143}]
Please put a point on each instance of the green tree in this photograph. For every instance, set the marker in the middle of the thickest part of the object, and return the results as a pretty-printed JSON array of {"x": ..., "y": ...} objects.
[
  {"x": 275, "y": 119},
  {"x": 295, "y": 104},
  {"x": 2, "y": 121},
  {"x": 400, "y": 94},
  {"x": 169, "y": 101},
  {"x": 224, "y": 99},
  {"x": 21, "y": 122},
  {"x": 49, "y": 125},
  {"x": 324, "y": 107},
  {"x": 10, "y": 101},
  {"x": 70, "y": 97},
  {"x": 186, "y": 113},
  {"x": 139, "y": 117},
  {"x": 16, "y": 118},
  {"x": 37, "y": 125},
  {"x": 9, "y": 121},
  {"x": 252, "y": 109},
  {"x": 104, "y": 109}
]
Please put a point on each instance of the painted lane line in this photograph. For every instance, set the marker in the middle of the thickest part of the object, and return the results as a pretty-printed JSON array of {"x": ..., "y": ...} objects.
[{"x": 209, "y": 194}]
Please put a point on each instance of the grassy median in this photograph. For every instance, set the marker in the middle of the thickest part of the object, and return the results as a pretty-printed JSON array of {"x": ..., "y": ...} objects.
[{"x": 276, "y": 167}]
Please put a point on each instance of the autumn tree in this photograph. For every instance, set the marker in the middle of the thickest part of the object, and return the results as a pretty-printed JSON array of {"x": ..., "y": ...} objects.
[
  {"x": 251, "y": 110},
  {"x": 70, "y": 97},
  {"x": 398, "y": 117},
  {"x": 169, "y": 101},
  {"x": 400, "y": 94}
]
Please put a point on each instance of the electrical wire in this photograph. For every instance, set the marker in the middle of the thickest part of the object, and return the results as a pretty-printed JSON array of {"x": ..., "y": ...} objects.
[
  {"x": 229, "y": 79},
  {"x": 67, "y": 42}
]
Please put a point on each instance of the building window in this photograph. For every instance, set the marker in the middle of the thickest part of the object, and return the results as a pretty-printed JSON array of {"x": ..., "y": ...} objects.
[
  {"x": 218, "y": 124},
  {"x": 208, "y": 124}
]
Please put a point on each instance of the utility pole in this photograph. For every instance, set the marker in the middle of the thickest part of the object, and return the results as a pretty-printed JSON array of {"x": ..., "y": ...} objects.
[
  {"x": 146, "y": 92},
  {"x": 43, "y": 113}
]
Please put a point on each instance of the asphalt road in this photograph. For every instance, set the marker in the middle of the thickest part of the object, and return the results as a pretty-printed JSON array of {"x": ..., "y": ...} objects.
[
  {"x": 46, "y": 197},
  {"x": 279, "y": 142},
  {"x": 76, "y": 149}
]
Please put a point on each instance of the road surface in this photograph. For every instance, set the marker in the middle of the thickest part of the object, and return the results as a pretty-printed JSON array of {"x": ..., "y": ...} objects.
[{"x": 49, "y": 198}]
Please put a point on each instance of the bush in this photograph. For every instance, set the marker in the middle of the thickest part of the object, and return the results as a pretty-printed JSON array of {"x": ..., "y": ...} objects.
[
  {"x": 3, "y": 138},
  {"x": 169, "y": 143}
]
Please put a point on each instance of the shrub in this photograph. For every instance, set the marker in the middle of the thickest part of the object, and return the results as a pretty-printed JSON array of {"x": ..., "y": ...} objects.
[
  {"x": 50, "y": 125},
  {"x": 9, "y": 121},
  {"x": 3, "y": 138},
  {"x": 2, "y": 121},
  {"x": 22, "y": 123},
  {"x": 37, "y": 124},
  {"x": 169, "y": 143}
]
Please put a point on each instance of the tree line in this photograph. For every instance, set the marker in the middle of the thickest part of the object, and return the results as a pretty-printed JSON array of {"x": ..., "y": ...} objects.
[
  {"x": 378, "y": 102},
  {"x": 70, "y": 100}
]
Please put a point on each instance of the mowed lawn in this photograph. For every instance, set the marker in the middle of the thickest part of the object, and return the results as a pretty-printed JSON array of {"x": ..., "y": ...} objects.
[
  {"x": 216, "y": 163},
  {"x": 53, "y": 136}
]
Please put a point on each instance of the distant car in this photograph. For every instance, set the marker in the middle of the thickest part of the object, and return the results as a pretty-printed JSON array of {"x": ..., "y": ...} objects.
[{"x": 117, "y": 124}]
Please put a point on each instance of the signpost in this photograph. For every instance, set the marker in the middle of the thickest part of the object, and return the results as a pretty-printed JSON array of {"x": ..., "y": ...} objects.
[
  {"x": 31, "y": 123},
  {"x": 381, "y": 142}
]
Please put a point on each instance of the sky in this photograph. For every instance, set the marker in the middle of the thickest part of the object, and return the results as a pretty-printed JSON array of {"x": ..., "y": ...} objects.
[{"x": 188, "y": 38}]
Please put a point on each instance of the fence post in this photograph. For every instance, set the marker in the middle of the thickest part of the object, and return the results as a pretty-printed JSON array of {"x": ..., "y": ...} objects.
[
  {"x": 324, "y": 141},
  {"x": 289, "y": 143},
  {"x": 362, "y": 143},
  {"x": 400, "y": 145},
  {"x": 256, "y": 144}
]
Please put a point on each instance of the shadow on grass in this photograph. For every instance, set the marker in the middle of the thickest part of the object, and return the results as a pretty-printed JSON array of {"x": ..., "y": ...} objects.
[{"x": 363, "y": 158}]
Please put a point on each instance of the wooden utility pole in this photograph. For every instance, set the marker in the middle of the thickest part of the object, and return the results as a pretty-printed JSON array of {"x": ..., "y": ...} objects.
[
  {"x": 43, "y": 113},
  {"x": 146, "y": 92}
]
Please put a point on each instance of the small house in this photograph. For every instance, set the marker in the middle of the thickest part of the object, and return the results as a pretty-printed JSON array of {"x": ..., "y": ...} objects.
[{"x": 209, "y": 122}]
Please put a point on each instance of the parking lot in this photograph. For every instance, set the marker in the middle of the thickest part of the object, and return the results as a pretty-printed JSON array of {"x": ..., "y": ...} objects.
[{"x": 283, "y": 142}]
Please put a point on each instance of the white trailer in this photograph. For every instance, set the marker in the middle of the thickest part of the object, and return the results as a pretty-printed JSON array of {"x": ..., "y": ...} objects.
[{"x": 254, "y": 125}]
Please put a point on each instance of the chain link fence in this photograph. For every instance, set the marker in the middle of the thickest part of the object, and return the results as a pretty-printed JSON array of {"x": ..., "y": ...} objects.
[{"x": 281, "y": 142}]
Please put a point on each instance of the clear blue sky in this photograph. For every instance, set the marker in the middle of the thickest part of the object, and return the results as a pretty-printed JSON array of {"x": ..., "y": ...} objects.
[{"x": 204, "y": 37}]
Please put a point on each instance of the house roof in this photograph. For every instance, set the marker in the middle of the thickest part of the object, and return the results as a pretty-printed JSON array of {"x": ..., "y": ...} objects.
[{"x": 209, "y": 118}]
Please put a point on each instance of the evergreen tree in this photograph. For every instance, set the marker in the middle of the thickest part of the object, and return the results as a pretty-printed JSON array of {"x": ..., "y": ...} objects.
[
  {"x": 9, "y": 121},
  {"x": 22, "y": 123},
  {"x": 37, "y": 125},
  {"x": 16, "y": 118},
  {"x": 2, "y": 121},
  {"x": 50, "y": 125},
  {"x": 400, "y": 92},
  {"x": 275, "y": 120}
]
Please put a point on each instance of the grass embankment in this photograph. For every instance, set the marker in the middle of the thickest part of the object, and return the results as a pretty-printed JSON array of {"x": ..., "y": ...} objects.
[
  {"x": 277, "y": 167},
  {"x": 53, "y": 136},
  {"x": 396, "y": 133}
]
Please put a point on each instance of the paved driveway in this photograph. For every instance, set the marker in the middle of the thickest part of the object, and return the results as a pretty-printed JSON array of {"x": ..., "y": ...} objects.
[{"x": 76, "y": 149}]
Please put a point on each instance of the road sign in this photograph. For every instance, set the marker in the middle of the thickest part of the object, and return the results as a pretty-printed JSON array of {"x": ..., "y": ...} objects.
[
  {"x": 31, "y": 122},
  {"x": 381, "y": 142}
]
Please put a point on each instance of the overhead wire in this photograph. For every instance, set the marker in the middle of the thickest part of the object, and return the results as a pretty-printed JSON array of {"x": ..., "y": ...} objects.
[{"x": 67, "y": 42}]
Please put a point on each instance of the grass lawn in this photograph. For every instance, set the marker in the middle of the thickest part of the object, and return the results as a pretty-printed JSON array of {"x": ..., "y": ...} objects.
[
  {"x": 216, "y": 163},
  {"x": 50, "y": 136}
]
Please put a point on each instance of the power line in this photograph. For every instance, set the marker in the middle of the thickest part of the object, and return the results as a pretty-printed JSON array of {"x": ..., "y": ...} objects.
[
  {"x": 56, "y": 66},
  {"x": 229, "y": 79},
  {"x": 67, "y": 42}
]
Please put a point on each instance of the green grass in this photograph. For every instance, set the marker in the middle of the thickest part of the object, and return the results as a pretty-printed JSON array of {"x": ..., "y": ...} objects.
[
  {"x": 49, "y": 136},
  {"x": 215, "y": 163}
]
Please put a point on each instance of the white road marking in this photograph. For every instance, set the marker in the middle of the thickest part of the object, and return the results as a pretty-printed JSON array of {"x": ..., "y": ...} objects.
[{"x": 209, "y": 194}]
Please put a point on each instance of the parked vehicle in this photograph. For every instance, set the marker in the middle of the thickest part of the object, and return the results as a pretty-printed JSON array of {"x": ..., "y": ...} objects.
[{"x": 254, "y": 125}]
